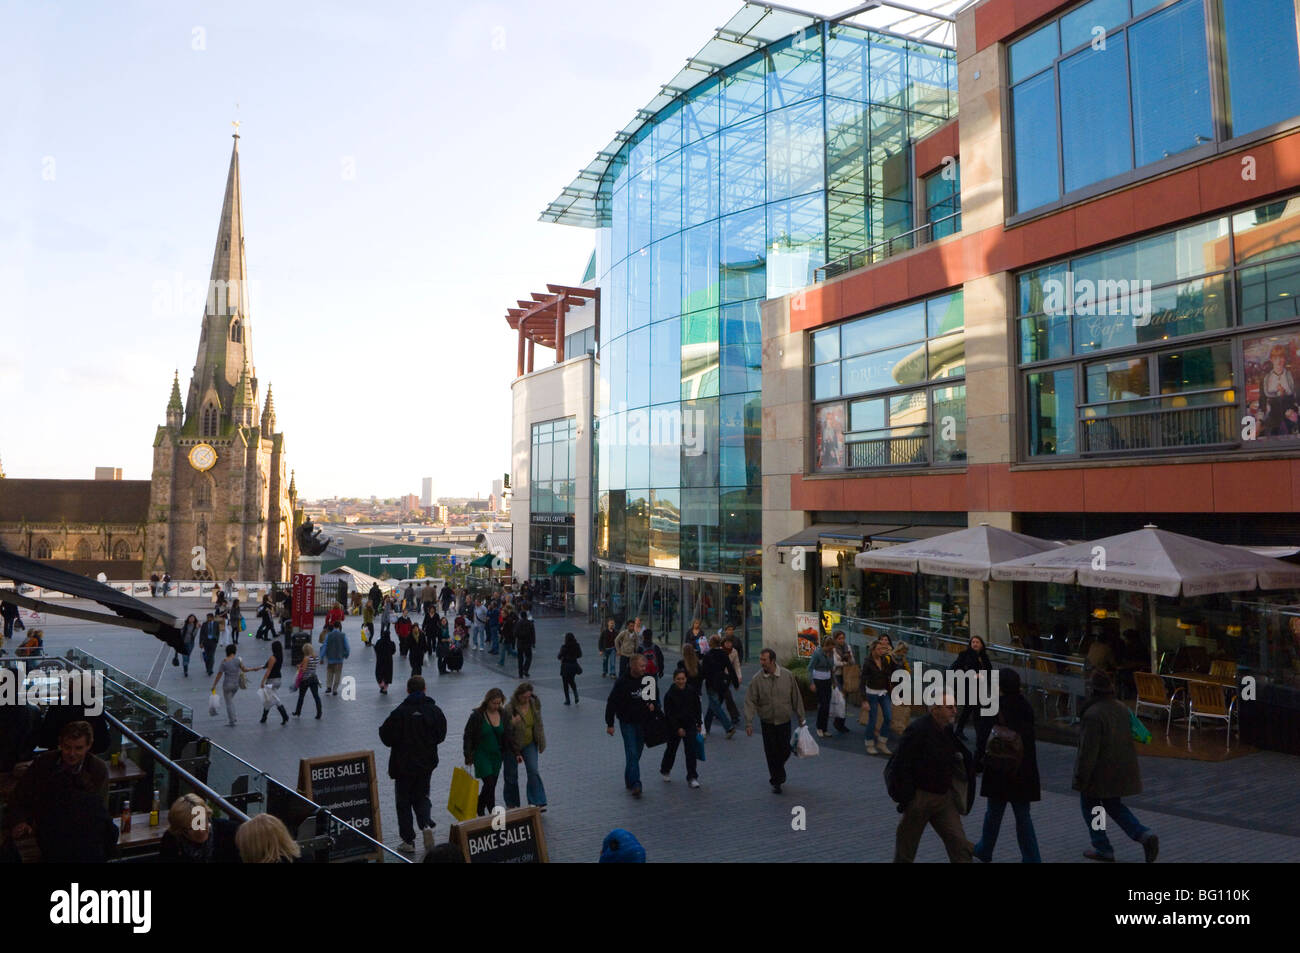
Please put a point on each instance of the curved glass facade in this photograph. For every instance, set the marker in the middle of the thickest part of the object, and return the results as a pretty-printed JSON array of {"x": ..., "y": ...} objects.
[{"x": 732, "y": 194}]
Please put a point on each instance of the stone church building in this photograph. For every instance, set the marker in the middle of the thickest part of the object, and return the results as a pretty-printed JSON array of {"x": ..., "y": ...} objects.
[{"x": 221, "y": 502}]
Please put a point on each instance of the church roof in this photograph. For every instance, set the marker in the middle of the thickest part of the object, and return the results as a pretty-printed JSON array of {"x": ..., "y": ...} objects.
[{"x": 75, "y": 501}]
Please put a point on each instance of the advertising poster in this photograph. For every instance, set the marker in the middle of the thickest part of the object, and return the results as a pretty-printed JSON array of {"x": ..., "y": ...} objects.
[
  {"x": 806, "y": 633},
  {"x": 1270, "y": 364},
  {"x": 830, "y": 437}
]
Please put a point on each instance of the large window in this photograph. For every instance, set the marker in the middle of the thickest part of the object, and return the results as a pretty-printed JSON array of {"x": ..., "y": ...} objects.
[
  {"x": 1180, "y": 341},
  {"x": 889, "y": 390},
  {"x": 553, "y": 470},
  {"x": 943, "y": 201},
  {"x": 1118, "y": 85}
]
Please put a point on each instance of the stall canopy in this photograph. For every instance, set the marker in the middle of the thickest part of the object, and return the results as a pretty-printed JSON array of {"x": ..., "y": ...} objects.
[{"x": 127, "y": 611}]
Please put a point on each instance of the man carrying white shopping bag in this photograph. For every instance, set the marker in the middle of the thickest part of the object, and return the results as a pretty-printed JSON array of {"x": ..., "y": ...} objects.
[{"x": 774, "y": 698}]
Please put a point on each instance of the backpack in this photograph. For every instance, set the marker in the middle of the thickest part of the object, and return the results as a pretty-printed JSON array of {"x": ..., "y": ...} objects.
[
  {"x": 1004, "y": 751},
  {"x": 651, "y": 661}
]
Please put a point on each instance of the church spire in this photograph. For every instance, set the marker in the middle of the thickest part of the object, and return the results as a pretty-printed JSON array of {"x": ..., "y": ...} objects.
[
  {"x": 175, "y": 409},
  {"x": 243, "y": 410},
  {"x": 268, "y": 414},
  {"x": 293, "y": 486}
]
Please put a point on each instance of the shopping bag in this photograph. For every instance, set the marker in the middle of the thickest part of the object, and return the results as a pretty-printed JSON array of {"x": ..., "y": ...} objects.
[
  {"x": 699, "y": 746},
  {"x": 462, "y": 802},
  {"x": 805, "y": 745},
  {"x": 656, "y": 730},
  {"x": 864, "y": 713},
  {"x": 264, "y": 693},
  {"x": 243, "y": 626},
  {"x": 852, "y": 676},
  {"x": 214, "y": 707},
  {"x": 837, "y": 702},
  {"x": 1141, "y": 733}
]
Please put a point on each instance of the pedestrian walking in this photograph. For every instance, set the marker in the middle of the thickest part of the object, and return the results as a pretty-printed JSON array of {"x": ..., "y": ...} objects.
[
  {"x": 775, "y": 700},
  {"x": 527, "y": 742},
  {"x": 420, "y": 647},
  {"x": 189, "y": 634},
  {"x": 605, "y": 645},
  {"x": 718, "y": 675},
  {"x": 685, "y": 721},
  {"x": 569, "y": 654},
  {"x": 308, "y": 681},
  {"x": 375, "y": 596},
  {"x": 625, "y": 644},
  {"x": 654, "y": 657},
  {"x": 9, "y": 613},
  {"x": 821, "y": 670},
  {"x": 368, "y": 624},
  {"x": 843, "y": 659},
  {"x": 633, "y": 710},
  {"x": 925, "y": 781},
  {"x": 270, "y": 685},
  {"x": 1106, "y": 770},
  {"x": 236, "y": 619},
  {"x": 1010, "y": 778},
  {"x": 973, "y": 658},
  {"x": 698, "y": 637},
  {"x": 384, "y": 651},
  {"x": 153, "y": 585},
  {"x": 230, "y": 676},
  {"x": 478, "y": 631},
  {"x": 448, "y": 597},
  {"x": 733, "y": 656},
  {"x": 403, "y": 628},
  {"x": 412, "y": 733},
  {"x": 166, "y": 583},
  {"x": 485, "y": 743},
  {"x": 385, "y": 616},
  {"x": 266, "y": 620},
  {"x": 335, "y": 652},
  {"x": 877, "y": 675},
  {"x": 690, "y": 664},
  {"x": 408, "y": 598},
  {"x": 494, "y": 627},
  {"x": 525, "y": 640},
  {"x": 209, "y": 639},
  {"x": 509, "y": 620}
]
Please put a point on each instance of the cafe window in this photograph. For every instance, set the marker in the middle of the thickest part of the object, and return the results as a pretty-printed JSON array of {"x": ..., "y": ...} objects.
[
  {"x": 889, "y": 388},
  {"x": 1183, "y": 340}
]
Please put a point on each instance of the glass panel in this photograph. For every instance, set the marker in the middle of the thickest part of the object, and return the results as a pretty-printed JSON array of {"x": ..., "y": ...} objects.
[
  {"x": 617, "y": 528},
  {"x": 701, "y": 256},
  {"x": 884, "y": 369},
  {"x": 927, "y": 74},
  {"x": 867, "y": 414},
  {"x": 1270, "y": 364},
  {"x": 741, "y": 512},
  {"x": 1044, "y": 338},
  {"x": 1198, "y": 368},
  {"x": 828, "y": 437},
  {"x": 699, "y": 354},
  {"x": 846, "y": 216},
  {"x": 665, "y": 361},
  {"x": 1269, "y": 231},
  {"x": 1033, "y": 114},
  {"x": 702, "y": 115},
  {"x": 1051, "y": 413},
  {"x": 616, "y": 447},
  {"x": 945, "y": 313},
  {"x": 640, "y": 195},
  {"x": 638, "y": 447},
  {"x": 743, "y": 255},
  {"x": 1118, "y": 380},
  {"x": 846, "y": 145},
  {"x": 665, "y": 446},
  {"x": 887, "y": 81},
  {"x": 846, "y": 62},
  {"x": 949, "y": 424},
  {"x": 731, "y": 440},
  {"x": 618, "y": 235},
  {"x": 666, "y": 278},
  {"x": 742, "y": 368},
  {"x": 1184, "y": 253},
  {"x": 667, "y": 196},
  {"x": 826, "y": 345},
  {"x": 743, "y": 174},
  {"x": 948, "y": 356},
  {"x": 1080, "y": 26},
  {"x": 667, "y": 136},
  {"x": 884, "y": 330},
  {"x": 638, "y": 368},
  {"x": 744, "y": 93},
  {"x": 700, "y": 180},
  {"x": 638, "y": 288},
  {"x": 616, "y": 311},
  {"x": 1035, "y": 52},
  {"x": 602, "y": 526},
  {"x": 1263, "y": 63},
  {"x": 888, "y": 172},
  {"x": 699, "y": 530},
  {"x": 544, "y": 456},
  {"x": 826, "y": 381},
  {"x": 796, "y": 240},
  {"x": 1095, "y": 130},
  {"x": 1269, "y": 292},
  {"x": 1146, "y": 316},
  {"x": 638, "y": 527},
  {"x": 795, "y": 151},
  {"x": 1169, "y": 73},
  {"x": 700, "y": 442},
  {"x": 742, "y": 323},
  {"x": 665, "y": 549},
  {"x": 795, "y": 72}
]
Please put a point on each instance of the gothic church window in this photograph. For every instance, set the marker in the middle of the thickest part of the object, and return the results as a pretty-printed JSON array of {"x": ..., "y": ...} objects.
[
  {"x": 121, "y": 550},
  {"x": 203, "y": 492},
  {"x": 209, "y": 422},
  {"x": 236, "y": 331},
  {"x": 83, "y": 549},
  {"x": 42, "y": 548}
]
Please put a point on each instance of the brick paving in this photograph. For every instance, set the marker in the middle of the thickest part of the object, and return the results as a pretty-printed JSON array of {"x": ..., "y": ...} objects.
[{"x": 1238, "y": 810}]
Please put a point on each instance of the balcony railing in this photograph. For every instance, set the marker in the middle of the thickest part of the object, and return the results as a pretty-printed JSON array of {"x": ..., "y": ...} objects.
[
  {"x": 921, "y": 235},
  {"x": 1108, "y": 428},
  {"x": 887, "y": 451}
]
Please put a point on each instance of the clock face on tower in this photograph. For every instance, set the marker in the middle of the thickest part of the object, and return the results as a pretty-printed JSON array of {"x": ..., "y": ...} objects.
[{"x": 202, "y": 457}]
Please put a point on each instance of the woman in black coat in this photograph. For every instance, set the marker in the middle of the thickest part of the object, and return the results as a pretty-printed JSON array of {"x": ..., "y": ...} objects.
[
  {"x": 974, "y": 657},
  {"x": 570, "y": 652},
  {"x": 384, "y": 650},
  {"x": 1003, "y": 786}
]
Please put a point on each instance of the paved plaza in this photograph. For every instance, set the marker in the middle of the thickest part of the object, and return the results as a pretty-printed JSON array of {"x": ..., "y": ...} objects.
[{"x": 1238, "y": 810}]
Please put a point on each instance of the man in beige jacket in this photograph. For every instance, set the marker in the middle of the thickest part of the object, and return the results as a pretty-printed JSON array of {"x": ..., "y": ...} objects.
[{"x": 774, "y": 697}]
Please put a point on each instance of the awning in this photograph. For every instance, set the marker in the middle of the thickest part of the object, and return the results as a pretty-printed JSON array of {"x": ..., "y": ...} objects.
[
  {"x": 128, "y": 612},
  {"x": 834, "y": 532},
  {"x": 910, "y": 534}
]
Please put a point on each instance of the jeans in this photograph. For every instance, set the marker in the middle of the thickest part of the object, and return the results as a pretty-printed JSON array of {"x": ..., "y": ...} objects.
[
  {"x": 670, "y": 754},
  {"x": 1025, "y": 836},
  {"x": 823, "y": 687},
  {"x": 504, "y": 651},
  {"x": 477, "y": 635},
  {"x": 185, "y": 662},
  {"x": 633, "y": 744},
  {"x": 413, "y": 795},
  {"x": 716, "y": 711},
  {"x": 607, "y": 666},
  {"x": 494, "y": 637},
  {"x": 525, "y": 660},
  {"x": 886, "y": 707},
  {"x": 1116, "y": 811},
  {"x": 535, "y": 791},
  {"x": 776, "y": 748},
  {"x": 312, "y": 685}
]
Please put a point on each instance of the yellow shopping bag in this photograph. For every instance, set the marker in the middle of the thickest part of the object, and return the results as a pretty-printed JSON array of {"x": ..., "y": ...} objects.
[{"x": 462, "y": 803}]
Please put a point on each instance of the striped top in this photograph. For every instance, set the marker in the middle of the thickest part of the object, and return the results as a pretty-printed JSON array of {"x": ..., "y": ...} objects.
[{"x": 309, "y": 670}]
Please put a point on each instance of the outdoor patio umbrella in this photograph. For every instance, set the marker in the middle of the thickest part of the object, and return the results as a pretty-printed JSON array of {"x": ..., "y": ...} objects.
[
  {"x": 565, "y": 567},
  {"x": 964, "y": 554},
  {"x": 483, "y": 562},
  {"x": 1156, "y": 562}
]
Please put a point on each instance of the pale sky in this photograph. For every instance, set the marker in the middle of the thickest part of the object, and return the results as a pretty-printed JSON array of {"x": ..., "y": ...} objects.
[{"x": 374, "y": 295}]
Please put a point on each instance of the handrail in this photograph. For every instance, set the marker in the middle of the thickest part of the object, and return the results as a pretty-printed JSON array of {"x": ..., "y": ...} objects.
[{"x": 825, "y": 271}]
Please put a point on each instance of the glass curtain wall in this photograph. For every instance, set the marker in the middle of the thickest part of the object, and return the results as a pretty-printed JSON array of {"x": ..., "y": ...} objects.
[
  {"x": 733, "y": 194},
  {"x": 550, "y": 498}
]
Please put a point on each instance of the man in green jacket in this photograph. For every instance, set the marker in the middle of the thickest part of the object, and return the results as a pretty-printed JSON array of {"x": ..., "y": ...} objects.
[
  {"x": 1106, "y": 770},
  {"x": 774, "y": 697}
]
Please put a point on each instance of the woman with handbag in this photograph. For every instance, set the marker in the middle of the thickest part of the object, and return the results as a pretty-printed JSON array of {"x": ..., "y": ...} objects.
[
  {"x": 527, "y": 741},
  {"x": 230, "y": 676},
  {"x": 570, "y": 652},
  {"x": 270, "y": 686},
  {"x": 1009, "y": 759},
  {"x": 486, "y": 743},
  {"x": 840, "y": 660},
  {"x": 189, "y": 633},
  {"x": 877, "y": 672},
  {"x": 307, "y": 680}
]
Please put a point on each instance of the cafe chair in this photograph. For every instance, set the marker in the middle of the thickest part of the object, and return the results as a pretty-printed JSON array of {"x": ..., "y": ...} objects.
[
  {"x": 1152, "y": 693},
  {"x": 1022, "y": 634},
  {"x": 1207, "y": 701},
  {"x": 1223, "y": 668},
  {"x": 1049, "y": 685}
]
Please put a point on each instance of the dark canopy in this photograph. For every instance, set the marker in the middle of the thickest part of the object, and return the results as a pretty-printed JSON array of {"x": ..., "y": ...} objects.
[{"x": 127, "y": 611}]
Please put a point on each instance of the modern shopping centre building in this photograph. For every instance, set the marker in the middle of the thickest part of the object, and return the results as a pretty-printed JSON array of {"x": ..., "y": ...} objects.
[{"x": 1022, "y": 262}]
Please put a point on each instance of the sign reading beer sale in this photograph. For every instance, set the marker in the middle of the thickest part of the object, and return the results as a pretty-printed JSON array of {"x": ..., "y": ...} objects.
[
  {"x": 304, "y": 600},
  {"x": 346, "y": 784}
]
